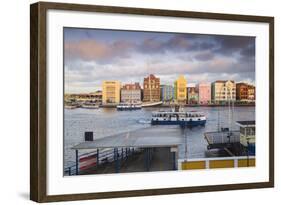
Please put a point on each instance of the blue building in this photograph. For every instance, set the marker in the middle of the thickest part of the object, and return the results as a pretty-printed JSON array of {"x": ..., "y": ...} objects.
[{"x": 167, "y": 93}]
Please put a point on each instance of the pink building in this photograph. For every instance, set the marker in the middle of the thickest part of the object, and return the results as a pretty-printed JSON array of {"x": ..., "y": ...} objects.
[{"x": 204, "y": 93}]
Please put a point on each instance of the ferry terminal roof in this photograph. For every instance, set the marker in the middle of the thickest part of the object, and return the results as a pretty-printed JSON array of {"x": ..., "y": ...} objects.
[{"x": 155, "y": 136}]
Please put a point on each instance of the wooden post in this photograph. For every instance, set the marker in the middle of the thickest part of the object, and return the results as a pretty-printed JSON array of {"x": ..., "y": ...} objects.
[
  {"x": 126, "y": 153},
  {"x": 146, "y": 159},
  {"x": 97, "y": 158},
  {"x": 77, "y": 162},
  {"x": 174, "y": 161},
  {"x": 116, "y": 160}
]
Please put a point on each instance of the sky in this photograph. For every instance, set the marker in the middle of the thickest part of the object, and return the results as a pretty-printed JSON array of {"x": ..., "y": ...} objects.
[{"x": 94, "y": 55}]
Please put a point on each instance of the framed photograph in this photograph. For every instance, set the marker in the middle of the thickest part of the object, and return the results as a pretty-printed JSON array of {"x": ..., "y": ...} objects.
[{"x": 135, "y": 102}]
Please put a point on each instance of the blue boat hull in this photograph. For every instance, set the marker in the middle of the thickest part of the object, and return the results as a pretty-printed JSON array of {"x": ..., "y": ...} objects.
[{"x": 181, "y": 123}]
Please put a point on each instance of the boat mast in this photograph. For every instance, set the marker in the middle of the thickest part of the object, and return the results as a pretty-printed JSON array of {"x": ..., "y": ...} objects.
[
  {"x": 229, "y": 110},
  {"x": 131, "y": 90},
  {"x": 219, "y": 121},
  {"x": 232, "y": 114},
  {"x": 149, "y": 83},
  {"x": 218, "y": 118},
  {"x": 185, "y": 141}
]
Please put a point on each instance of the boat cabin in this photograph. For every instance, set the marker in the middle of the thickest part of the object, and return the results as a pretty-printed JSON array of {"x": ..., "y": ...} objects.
[{"x": 247, "y": 135}]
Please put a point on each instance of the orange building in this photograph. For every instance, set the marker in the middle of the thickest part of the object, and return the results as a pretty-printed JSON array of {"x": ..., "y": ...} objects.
[
  {"x": 151, "y": 89},
  {"x": 245, "y": 92},
  {"x": 242, "y": 91}
]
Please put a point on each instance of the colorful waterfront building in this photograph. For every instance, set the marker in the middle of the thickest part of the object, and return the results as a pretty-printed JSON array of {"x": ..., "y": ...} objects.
[
  {"x": 81, "y": 97},
  {"x": 131, "y": 93},
  {"x": 245, "y": 92},
  {"x": 251, "y": 93},
  {"x": 204, "y": 92},
  {"x": 167, "y": 93},
  {"x": 180, "y": 91},
  {"x": 111, "y": 92},
  {"x": 192, "y": 95},
  {"x": 151, "y": 89},
  {"x": 97, "y": 96},
  {"x": 223, "y": 91},
  {"x": 242, "y": 91}
]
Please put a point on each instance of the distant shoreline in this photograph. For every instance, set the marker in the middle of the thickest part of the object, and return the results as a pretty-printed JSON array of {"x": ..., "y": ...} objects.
[{"x": 214, "y": 105}]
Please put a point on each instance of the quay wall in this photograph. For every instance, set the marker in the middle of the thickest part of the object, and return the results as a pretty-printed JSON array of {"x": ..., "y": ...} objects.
[{"x": 218, "y": 162}]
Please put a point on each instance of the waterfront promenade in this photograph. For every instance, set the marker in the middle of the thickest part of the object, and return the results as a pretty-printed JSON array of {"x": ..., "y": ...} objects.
[{"x": 136, "y": 163}]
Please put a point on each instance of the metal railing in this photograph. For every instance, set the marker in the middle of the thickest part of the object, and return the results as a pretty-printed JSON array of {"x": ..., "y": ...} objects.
[
  {"x": 105, "y": 155},
  {"x": 222, "y": 137}
]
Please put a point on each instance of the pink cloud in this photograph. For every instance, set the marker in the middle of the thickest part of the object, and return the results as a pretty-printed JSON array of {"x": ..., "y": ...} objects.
[{"x": 89, "y": 50}]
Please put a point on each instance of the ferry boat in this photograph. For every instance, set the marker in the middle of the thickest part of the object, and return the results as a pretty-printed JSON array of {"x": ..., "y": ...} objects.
[
  {"x": 128, "y": 106},
  {"x": 191, "y": 118},
  {"x": 90, "y": 105}
]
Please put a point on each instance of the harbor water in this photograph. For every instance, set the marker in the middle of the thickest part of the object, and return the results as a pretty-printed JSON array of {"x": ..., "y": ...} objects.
[{"x": 108, "y": 121}]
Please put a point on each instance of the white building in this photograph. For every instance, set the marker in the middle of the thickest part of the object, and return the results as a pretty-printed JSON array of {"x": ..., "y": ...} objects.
[
  {"x": 131, "y": 93},
  {"x": 223, "y": 91}
]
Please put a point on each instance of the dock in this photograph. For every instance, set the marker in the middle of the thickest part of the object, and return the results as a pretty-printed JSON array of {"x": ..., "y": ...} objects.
[
  {"x": 221, "y": 139},
  {"x": 152, "y": 149}
]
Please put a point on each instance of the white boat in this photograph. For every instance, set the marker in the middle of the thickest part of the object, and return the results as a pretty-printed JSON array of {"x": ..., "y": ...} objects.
[
  {"x": 151, "y": 104},
  {"x": 90, "y": 105},
  {"x": 191, "y": 118},
  {"x": 71, "y": 105},
  {"x": 128, "y": 106}
]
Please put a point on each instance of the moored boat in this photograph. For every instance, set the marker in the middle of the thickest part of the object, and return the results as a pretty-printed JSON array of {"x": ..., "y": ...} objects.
[
  {"x": 128, "y": 106},
  {"x": 71, "y": 105},
  {"x": 151, "y": 104},
  {"x": 90, "y": 105},
  {"x": 248, "y": 136}
]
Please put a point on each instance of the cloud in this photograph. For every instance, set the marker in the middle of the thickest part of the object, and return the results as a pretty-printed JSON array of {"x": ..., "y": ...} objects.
[
  {"x": 248, "y": 51},
  {"x": 151, "y": 45},
  {"x": 204, "y": 56},
  {"x": 231, "y": 44},
  {"x": 92, "y": 50},
  {"x": 91, "y": 59},
  {"x": 177, "y": 42}
]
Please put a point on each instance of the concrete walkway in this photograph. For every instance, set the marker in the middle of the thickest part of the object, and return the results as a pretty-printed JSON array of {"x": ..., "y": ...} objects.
[{"x": 162, "y": 160}]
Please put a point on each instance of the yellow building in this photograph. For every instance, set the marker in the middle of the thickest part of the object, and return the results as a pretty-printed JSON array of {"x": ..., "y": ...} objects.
[
  {"x": 110, "y": 92},
  {"x": 180, "y": 89},
  {"x": 223, "y": 91}
]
